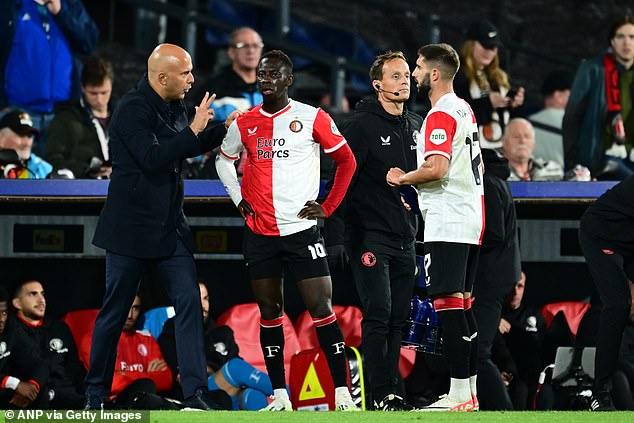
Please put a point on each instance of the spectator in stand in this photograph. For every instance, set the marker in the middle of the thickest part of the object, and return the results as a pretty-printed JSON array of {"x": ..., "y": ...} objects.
[
  {"x": 247, "y": 386},
  {"x": 485, "y": 86},
  {"x": 236, "y": 89},
  {"x": 235, "y": 85},
  {"x": 39, "y": 42},
  {"x": 498, "y": 270},
  {"x": 17, "y": 133},
  {"x": 598, "y": 126},
  {"x": 140, "y": 368},
  {"x": 518, "y": 144},
  {"x": 22, "y": 372},
  {"x": 54, "y": 343},
  {"x": 547, "y": 122},
  {"x": 78, "y": 136}
]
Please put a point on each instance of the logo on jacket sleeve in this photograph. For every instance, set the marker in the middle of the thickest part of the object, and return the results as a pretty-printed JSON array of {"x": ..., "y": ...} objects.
[
  {"x": 385, "y": 141},
  {"x": 438, "y": 136}
]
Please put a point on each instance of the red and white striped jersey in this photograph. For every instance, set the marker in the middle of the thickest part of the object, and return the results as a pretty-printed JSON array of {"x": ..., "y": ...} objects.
[
  {"x": 282, "y": 171},
  {"x": 453, "y": 207}
]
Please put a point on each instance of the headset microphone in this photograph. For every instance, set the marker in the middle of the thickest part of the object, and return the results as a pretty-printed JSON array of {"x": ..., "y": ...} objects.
[{"x": 378, "y": 88}]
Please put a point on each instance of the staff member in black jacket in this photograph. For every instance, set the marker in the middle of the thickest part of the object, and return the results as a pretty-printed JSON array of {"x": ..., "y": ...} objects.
[
  {"x": 606, "y": 236},
  {"x": 379, "y": 230},
  {"x": 23, "y": 374},
  {"x": 498, "y": 271},
  {"x": 54, "y": 344},
  {"x": 142, "y": 223}
]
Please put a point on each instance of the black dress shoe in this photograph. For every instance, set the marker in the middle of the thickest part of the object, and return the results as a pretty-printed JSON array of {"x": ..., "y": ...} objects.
[
  {"x": 94, "y": 402},
  {"x": 602, "y": 401},
  {"x": 201, "y": 400}
]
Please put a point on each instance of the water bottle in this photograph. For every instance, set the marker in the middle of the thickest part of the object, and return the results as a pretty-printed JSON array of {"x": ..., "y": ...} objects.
[
  {"x": 432, "y": 341},
  {"x": 413, "y": 335}
]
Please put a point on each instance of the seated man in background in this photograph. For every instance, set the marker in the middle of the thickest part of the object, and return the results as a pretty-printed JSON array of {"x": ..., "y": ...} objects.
[
  {"x": 247, "y": 386},
  {"x": 16, "y": 133},
  {"x": 549, "y": 144},
  {"x": 78, "y": 135},
  {"x": 518, "y": 144},
  {"x": 53, "y": 342},
  {"x": 140, "y": 370},
  {"x": 23, "y": 373}
]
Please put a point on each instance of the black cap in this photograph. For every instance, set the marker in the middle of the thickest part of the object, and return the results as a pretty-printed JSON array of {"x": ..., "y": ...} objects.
[
  {"x": 19, "y": 122},
  {"x": 485, "y": 33},
  {"x": 558, "y": 80}
]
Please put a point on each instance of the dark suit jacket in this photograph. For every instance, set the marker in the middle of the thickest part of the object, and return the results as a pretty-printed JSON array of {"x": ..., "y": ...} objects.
[{"x": 149, "y": 139}]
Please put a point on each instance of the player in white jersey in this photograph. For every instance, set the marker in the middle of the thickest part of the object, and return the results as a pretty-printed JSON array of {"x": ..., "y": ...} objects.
[
  {"x": 451, "y": 199},
  {"x": 277, "y": 198}
]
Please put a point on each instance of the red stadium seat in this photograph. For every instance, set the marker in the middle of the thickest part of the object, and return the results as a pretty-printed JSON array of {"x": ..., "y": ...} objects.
[
  {"x": 81, "y": 324},
  {"x": 349, "y": 318},
  {"x": 573, "y": 312},
  {"x": 244, "y": 319}
]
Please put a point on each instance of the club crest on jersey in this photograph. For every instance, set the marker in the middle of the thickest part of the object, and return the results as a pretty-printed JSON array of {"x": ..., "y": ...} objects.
[
  {"x": 296, "y": 126},
  {"x": 142, "y": 349},
  {"x": 385, "y": 141},
  {"x": 252, "y": 131},
  {"x": 368, "y": 259},
  {"x": 438, "y": 136}
]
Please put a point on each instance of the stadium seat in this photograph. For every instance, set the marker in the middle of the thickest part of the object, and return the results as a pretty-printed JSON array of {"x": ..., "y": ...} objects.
[
  {"x": 573, "y": 312},
  {"x": 244, "y": 319},
  {"x": 154, "y": 319},
  {"x": 81, "y": 324},
  {"x": 349, "y": 318}
]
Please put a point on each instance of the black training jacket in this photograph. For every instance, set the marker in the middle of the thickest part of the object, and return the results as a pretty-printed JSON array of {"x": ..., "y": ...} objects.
[{"x": 372, "y": 209}]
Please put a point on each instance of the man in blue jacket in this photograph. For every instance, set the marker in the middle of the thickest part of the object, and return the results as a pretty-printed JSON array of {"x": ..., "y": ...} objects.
[
  {"x": 39, "y": 44},
  {"x": 142, "y": 224}
]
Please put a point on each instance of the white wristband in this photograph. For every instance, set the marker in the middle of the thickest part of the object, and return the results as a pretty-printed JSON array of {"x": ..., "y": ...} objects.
[{"x": 12, "y": 382}]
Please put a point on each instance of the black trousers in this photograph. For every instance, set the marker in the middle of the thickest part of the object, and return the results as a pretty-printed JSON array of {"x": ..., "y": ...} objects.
[
  {"x": 487, "y": 310},
  {"x": 384, "y": 276},
  {"x": 123, "y": 274},
  {"x": 610, "y": 273}
]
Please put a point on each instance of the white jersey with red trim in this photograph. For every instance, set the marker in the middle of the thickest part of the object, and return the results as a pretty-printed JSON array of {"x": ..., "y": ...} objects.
[
  {"x": 282, "y": 171},
  {"x": 453, "y": 207}
]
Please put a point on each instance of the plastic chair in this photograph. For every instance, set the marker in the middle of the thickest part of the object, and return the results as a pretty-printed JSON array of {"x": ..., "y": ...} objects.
[
  {"x": 81, "y": 324},
  {"x": 573, "y": 312},
  {"x": 349, "y": 318},
  {"x": 244, "y": 319}
]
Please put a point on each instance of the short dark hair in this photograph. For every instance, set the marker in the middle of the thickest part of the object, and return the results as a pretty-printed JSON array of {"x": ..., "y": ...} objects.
[
  {"x": 18, "y": 286},
  {"x": 376, "y": 70},
  {"x": 617, "y": 23},
  {"x": 96, "y": 70},
  {"x": 442, "y": 55},
  {"x": 278, "y": 55}
]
